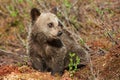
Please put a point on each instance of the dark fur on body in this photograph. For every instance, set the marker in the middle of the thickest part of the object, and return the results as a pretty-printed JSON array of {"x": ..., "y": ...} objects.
[{"x": 52, "y": 54}]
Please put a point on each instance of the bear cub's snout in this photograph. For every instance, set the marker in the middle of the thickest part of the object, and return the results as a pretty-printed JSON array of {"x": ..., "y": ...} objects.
[{"x": 59, "y": 33}]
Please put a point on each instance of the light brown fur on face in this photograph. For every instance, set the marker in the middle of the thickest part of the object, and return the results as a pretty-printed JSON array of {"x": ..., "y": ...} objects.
[
  {"x": 50, "y": 44},
  {"x": 42, "y": 24}
]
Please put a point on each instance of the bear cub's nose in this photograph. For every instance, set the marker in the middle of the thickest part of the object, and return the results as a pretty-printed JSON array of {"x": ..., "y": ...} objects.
[{"x": 59, "y": 33}]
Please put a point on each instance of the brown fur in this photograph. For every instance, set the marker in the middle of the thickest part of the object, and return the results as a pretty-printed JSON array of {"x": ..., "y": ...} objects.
[{"x": 49, "y": 48}]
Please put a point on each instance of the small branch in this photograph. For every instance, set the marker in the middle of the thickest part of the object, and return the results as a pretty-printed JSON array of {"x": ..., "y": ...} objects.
[
  {"x": 86, "y": 47},
  {"x": 3, "y": 14},
  {"x": 13, "y": 44},
  {"x": 112, "y": 38},
  {"x": 28, "y": 39},
  {"x": 42, "y": 5},
  {"x": 22, "y": 42},
  {"x": 75, "y": 3},
  {"x": 91, "y": 65},
  {"x": 4, "y": 52}
]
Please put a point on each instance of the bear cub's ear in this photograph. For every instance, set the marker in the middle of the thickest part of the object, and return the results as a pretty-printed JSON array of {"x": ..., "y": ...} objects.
[{"x": 35, "y": 13}]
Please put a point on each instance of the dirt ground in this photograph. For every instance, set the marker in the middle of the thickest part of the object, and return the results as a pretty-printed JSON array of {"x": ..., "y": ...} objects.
[{"x": 96, "y": 21}]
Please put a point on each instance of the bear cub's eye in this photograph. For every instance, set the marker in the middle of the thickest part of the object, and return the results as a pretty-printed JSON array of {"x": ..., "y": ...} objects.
[{"x": 50, "y": 25}]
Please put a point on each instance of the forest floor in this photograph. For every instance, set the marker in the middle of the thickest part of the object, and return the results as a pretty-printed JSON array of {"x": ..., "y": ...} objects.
[{"x": 97, "y": 23}]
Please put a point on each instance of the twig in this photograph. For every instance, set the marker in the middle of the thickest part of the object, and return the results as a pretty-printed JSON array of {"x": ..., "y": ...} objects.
[
  {"x": 86, "y": 47},
  {"x": 22, "y": 42},
  {"x": 28, "y": 39},
  {"x": 3, "y": 14},
  {"x": 75, "y": 3},
  {"x": 112, "y": 38},
  {"x": 41, "y": 4},
  {"x": 13, "y": 44},
  {"x": 90, "y": 65},
  {"x": 2, "y": 52}
]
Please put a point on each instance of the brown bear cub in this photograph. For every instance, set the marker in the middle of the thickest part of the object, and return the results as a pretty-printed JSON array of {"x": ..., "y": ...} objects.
[{"x": 50, "y": 43}]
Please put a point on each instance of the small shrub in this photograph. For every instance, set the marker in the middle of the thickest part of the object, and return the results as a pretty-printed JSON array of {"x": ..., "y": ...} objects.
[
  {"x": 20, "y": 1},
  {"x": 13, "y": 12},
  {"x": 73, "y": 64},
  {"x": 82, "y": 42},
  {"x": 67, "y": 4}
]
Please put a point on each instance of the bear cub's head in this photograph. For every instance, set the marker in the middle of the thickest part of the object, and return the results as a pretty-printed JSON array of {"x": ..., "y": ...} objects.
[{"x": 47, "y": 23}]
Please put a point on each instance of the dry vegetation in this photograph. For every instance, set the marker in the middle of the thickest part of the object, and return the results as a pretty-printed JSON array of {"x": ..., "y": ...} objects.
[{"x": 96, "y": 21}]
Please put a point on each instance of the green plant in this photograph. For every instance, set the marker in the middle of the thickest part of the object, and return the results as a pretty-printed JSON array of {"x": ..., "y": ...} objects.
[
  {"x": 67, "y": 4},
  {"x": 21, "y": 27},
  {"x": 24, "y": 62},
  {"x": 73, "y": 64},
  {"x": 13, "y": 12},
  {"x": 20, "y": 1},
  {"x": 110, "y": 12},
  {"x": 99, "y": 11},
  {"x": 30, "y": 2},
  {"x": 19, "y": 64},
  {"x": 82, "y": 41}
]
